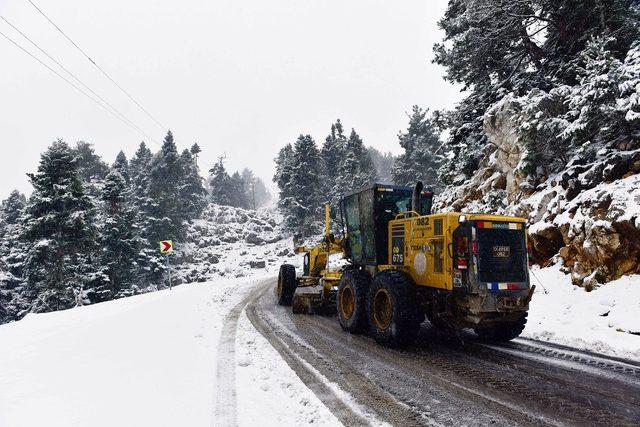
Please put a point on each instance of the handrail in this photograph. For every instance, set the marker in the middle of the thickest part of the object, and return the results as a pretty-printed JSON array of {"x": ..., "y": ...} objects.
[{"x": 405, "y": 213}]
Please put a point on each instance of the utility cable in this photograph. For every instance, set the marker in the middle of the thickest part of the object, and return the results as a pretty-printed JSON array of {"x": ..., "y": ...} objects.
[
  {"x": 97, "y": 66},
  {"x": 75, "y": 78},
  {"x": 65, "y": 79}
]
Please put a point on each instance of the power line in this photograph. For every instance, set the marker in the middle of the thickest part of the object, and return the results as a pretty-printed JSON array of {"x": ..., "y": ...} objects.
[
  {"x": 131, "y": 123},
  {"x": 64, "y": 78},
  {"x": 97, "y": 66}
]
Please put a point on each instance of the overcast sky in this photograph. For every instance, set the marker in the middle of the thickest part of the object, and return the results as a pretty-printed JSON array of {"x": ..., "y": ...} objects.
[{"x": 240, "y": 77}]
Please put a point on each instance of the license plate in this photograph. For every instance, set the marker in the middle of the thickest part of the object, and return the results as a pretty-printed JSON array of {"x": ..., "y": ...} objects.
[{"x": 501, "y": 251}]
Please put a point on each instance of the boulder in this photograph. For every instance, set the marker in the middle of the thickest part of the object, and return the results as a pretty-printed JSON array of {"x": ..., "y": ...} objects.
[{"x": 257, "y": 264}]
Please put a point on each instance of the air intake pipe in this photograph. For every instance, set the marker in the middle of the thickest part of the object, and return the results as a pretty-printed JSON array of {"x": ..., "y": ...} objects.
[{"x": 415, "y": 198}]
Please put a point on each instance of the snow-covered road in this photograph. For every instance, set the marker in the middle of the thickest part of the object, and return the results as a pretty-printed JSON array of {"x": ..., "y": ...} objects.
[
  {"x": 223, "y": 353},
  {"x": 445, "y": 380},
  {"x": 149, "y": 360}
]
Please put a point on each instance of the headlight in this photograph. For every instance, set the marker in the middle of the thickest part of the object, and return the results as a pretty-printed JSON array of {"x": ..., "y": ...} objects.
[{"x": 462, "y": 218}]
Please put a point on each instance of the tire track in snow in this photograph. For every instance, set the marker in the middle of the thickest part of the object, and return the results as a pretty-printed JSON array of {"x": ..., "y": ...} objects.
[{"x": 225, "y": 414}]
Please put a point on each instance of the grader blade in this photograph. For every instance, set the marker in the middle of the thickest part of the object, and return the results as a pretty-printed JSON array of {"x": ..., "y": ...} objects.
[{"x": 308, "y": 300}]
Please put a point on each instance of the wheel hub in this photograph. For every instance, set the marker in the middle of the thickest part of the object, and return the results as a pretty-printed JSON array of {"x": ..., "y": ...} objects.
[
  {"x": 347, "y": 302},
  {"x": 382, "y": 309}
]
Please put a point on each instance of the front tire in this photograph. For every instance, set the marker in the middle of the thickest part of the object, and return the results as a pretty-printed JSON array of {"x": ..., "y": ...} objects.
[
  {"x": 351, "y": 301},
  {"x": 502, "y": 332},
  {"x": 393, "y": 309},
  {"x": 286, "y": 284}
]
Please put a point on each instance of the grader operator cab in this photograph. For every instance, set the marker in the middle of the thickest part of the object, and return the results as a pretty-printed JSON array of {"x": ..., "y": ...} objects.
[{"x": 404, "y": 264}]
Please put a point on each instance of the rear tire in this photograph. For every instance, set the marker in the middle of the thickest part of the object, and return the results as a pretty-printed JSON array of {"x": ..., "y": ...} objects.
[
  {"x": 502, "y": 332},
  {"x": 286, "y": 284},
  {"x": 351, "y": 301},
  {"x": 393, "y": 309}
]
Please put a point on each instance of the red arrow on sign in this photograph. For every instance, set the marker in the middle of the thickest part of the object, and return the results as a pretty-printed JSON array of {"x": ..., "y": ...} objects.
[{"x": 166, "y": 246}]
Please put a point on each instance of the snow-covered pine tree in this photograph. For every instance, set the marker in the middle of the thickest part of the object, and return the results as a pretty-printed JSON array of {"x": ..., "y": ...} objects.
[
  {"x": 121, "y": 164},
  {"x": 60, "y": 232},
  {"x": 249, "y": 181},
  {"x": 629, "y": 101},
  {"x": 91, "y": 168},
  {"x": 495, "y": 47},
  {"x": 332, "y": 154},
  {"x": 383, "y": 164},
  {"x": 260, "y": 193},
  {"x": 193, "y": 195},
  {"x": 150, "y": 265},
  {"x": 90, "y": 165},
  {"x": 139, "y": 172},
  {"x": 166, "y": 219},
  {"x": 237, "y": 191},
  {"x": 282, "y": 177},
  {"x": 421, "y": 158},
  {"x": 119, "y": 240},
  {"x": 12, "y": 254},
  {"x": 219, "y": 183},
  {"x": 356, "y": 168},
  {"x": 304, "y": 208},
  {"x": 594, "y": 114}
]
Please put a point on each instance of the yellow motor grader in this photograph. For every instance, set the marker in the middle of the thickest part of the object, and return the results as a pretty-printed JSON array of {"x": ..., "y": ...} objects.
[{"x": 405, "y": 263}]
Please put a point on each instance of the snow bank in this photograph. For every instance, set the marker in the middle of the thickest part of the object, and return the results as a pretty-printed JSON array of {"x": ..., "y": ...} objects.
[
  {"x": 605, "y": 320},
  {"x": 146, "y": 360}
]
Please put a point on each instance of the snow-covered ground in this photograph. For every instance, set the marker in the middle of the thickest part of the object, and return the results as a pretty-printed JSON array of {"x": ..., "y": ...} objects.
[
  {"x": 156, "y": 359},
  {"x": 146, "y": 360},
  {"x": 605, "y": 320}
]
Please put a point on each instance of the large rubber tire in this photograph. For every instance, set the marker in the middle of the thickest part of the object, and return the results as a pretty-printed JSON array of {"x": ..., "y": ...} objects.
[
  {"x": 286, "y": 284},
  {"x": 393, "y": 309},
  {"x": 502, "y": 332},
  {"x": 351, "y": 300}
]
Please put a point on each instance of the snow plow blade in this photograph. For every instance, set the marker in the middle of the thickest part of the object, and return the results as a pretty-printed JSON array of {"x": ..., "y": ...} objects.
[{"x": 310, "y": 300}]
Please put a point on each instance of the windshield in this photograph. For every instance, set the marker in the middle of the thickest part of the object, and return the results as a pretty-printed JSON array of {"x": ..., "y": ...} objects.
[
  {"x": 501, "y": 255},
  {"x": 400, "y": 201}
]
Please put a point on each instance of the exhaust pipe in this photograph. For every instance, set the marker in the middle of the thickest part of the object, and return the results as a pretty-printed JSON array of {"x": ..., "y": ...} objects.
[{"x": 415, "y": 198}]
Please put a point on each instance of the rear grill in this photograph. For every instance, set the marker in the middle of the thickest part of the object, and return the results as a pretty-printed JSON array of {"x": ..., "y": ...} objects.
[{"x": 397, "y": 230}]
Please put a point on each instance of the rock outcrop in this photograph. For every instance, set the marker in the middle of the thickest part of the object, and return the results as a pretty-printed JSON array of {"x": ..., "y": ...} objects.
[{"x": 588, "y": 215}]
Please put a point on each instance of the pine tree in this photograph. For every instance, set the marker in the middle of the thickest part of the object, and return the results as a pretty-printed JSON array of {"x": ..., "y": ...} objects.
[
  {"x": 421, "y": 158},
  {"x": 119, "y": 240},
  {"x": 59, "y": 228},
  {"x": 166, "y": 220},
  {"x": 282, "y": 177},
  {"x": 237, "y": 191},
  {"x": 90, "y": 165},
  {"x": 193, "y": 195},
  {"x": 219, "y": 183},
  {"x": 496, "y": 47},
  {"x": 304, "y": 208},
  {"x": 139, "y": 172},
  {"x": 383, "y": 164},
  {"x": 12, "y": 254},
  {"x": 356, "y": 168},
  {"x": 195, "y": 151},
  {"x": 260, "y": 193},
  {"x": 121, "y": 165},
  {"x": 332, "y": 153}
]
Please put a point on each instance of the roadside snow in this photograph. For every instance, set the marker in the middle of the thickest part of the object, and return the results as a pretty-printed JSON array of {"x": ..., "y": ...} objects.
[
  {"x": 144, "y": 360},
  {"x": 263, "y": 379},
  {"x": 602, "y": 320}
]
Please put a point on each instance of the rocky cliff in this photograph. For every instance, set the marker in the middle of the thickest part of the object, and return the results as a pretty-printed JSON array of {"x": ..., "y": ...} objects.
[{"x": 587, "y": 215}]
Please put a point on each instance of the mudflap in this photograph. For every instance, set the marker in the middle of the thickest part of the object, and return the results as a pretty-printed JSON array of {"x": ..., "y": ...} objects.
[{"x": 312, "y": 300}]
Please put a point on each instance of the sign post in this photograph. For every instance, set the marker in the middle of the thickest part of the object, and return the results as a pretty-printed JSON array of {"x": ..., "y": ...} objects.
[{"x": 166, "y": 248}]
